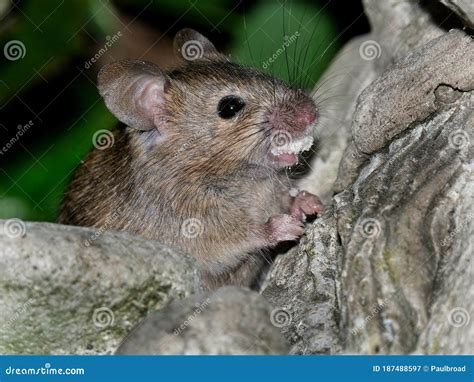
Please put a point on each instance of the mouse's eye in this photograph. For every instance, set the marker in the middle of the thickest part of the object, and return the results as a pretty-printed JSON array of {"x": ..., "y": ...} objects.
[{"x": 229, "y": 106}]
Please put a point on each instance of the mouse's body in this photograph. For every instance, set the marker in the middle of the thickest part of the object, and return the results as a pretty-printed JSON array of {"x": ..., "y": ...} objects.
[{"x": 200, "y": 162}]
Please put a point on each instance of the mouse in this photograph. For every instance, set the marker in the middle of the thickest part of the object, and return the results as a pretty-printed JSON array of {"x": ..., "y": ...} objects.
[{"x": 199, "y": 160}]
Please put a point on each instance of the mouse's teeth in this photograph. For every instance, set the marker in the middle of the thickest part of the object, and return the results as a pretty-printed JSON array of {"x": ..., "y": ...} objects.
[{"x": 293, "y": 147}]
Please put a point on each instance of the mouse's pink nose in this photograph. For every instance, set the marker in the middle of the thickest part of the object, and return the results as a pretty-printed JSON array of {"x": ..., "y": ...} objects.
[
  {"x": 305, "y": 117},
  {"x": 294, "y": 117}
]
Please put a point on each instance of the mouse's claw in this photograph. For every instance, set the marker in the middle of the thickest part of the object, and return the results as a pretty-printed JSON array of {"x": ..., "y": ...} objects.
[
  {"x": 305, "y": 204},
  {"x": 283, "y": 228}
]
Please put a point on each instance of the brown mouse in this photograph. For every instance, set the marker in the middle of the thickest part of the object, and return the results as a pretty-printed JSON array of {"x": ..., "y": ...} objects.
[{"x": 200, "y": 163}]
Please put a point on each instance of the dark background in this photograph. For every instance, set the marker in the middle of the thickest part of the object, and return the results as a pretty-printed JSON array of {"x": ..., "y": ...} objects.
[{"x": 52, "y": 80}]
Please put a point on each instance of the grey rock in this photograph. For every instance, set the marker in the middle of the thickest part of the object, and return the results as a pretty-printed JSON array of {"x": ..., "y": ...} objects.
[
  {"x": 463, "y": 8},
  {"x": 392, "y": 223},
  {"x": 398, "y": 28},
  {"x": 230, "y": 320},
  {"x": 301, "y": 287},
  {"x": 388, "y": 268},
  {"x": 406, "y": 93},
  {"x": 450, "y": 328},
  {"x": 350, "y": 165},
  {"x": 70, "y": 290}
]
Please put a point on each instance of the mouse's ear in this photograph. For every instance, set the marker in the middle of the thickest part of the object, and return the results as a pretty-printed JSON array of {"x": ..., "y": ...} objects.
[
  {"x": 190, "y": 45},
  {"x": 134, "y": 91}
]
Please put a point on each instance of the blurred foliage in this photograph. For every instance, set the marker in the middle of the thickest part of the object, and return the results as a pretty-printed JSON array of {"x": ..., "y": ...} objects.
[
  {"x": 295, "y": 42},
  {"x": 58, "y": 36}
]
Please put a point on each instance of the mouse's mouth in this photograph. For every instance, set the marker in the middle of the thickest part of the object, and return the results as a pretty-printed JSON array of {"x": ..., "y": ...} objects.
[{"x": 284, "y": 151}]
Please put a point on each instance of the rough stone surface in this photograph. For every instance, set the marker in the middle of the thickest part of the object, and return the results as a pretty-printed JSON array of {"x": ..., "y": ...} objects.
[
  {"x": 230, "y": 320},
  {"x": 69, "y": 290},
  {"x": 301, "y": 286},
  {"x": 406, "y": 93},
  {"x": 398, "y": 28},
  {"x": 464, "y": 9},
  {"x": 393, "y": 222},
  {"x": 388, "y": 268}
]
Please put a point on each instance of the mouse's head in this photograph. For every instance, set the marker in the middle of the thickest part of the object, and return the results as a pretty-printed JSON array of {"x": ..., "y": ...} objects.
[{"x": 210, "y": 108}]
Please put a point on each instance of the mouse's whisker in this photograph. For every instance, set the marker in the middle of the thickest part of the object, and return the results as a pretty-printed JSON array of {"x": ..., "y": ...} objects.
[
  {"x": 241, "y": 137},
  {"x": 246, "y": 126},
  {"x": 330, "y": 79}
]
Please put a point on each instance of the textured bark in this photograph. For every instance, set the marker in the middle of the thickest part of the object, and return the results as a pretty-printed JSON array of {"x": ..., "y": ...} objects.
[{"x": 388, "y": 268}]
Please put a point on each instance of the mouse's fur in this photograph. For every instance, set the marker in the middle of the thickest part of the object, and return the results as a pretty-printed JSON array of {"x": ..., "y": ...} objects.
[{"x": 181, "y": 174}]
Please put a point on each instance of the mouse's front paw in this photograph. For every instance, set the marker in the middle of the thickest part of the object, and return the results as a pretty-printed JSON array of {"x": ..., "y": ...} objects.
[
  {"x": 305, "y": 204},
  {"x": 283, "y": 228}
]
